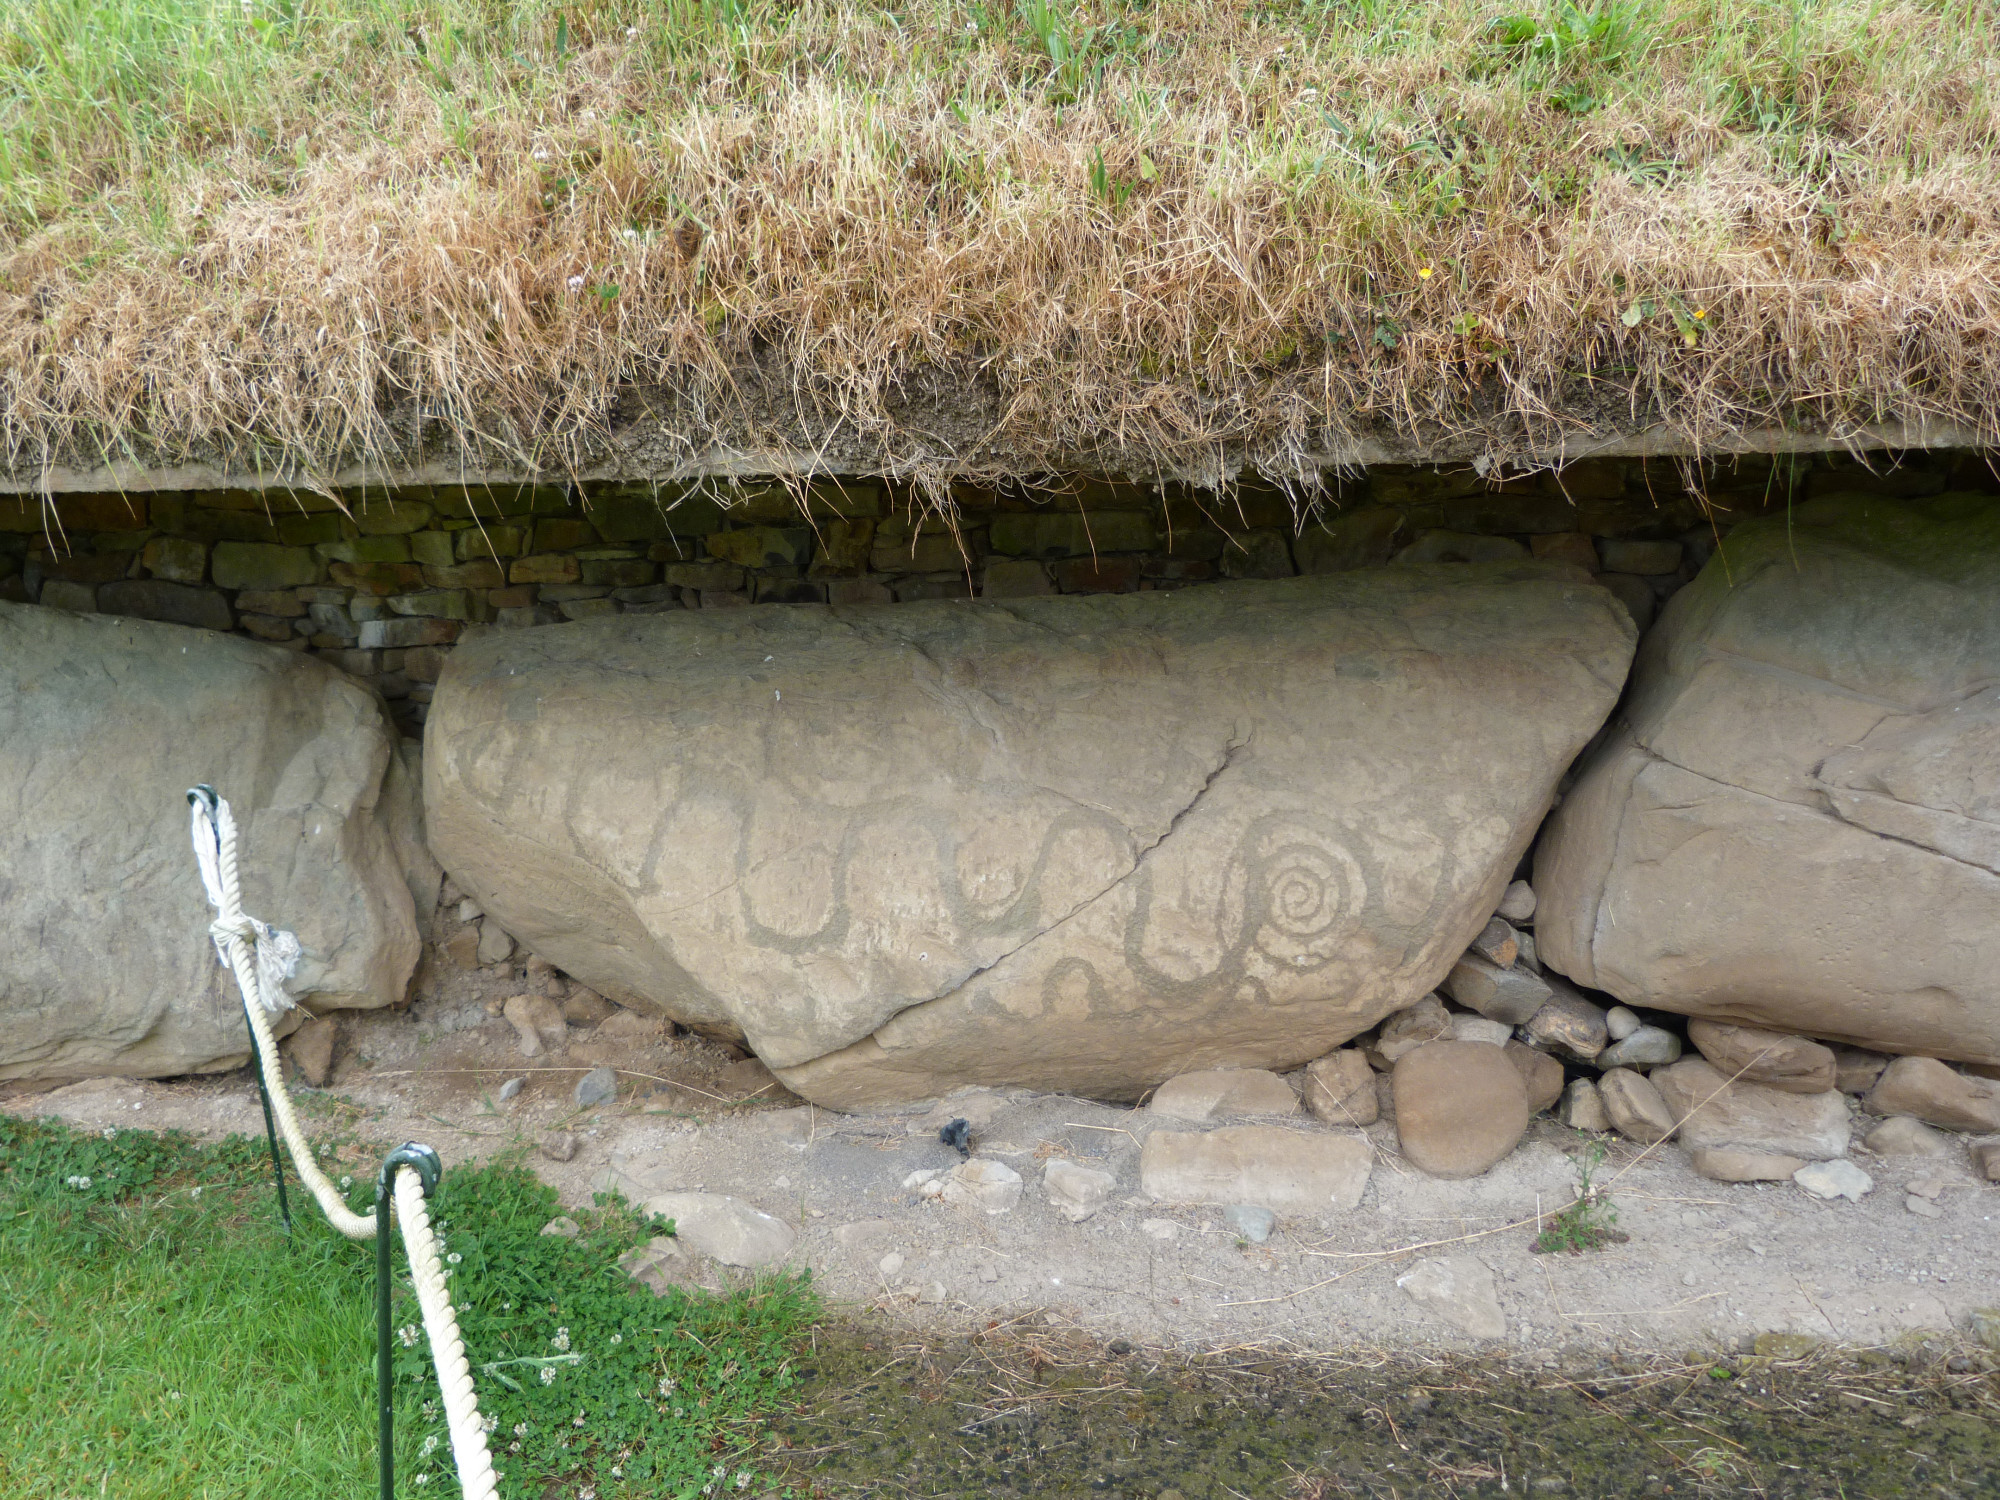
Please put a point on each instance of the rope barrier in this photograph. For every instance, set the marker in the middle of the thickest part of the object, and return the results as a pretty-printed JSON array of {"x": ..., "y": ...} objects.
[{"x": 263, "y": 958}]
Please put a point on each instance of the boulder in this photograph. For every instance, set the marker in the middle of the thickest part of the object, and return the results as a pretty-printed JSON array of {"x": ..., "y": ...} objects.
[
  {"x": 1712, "y": 1111},
  {"x": 105, "y": 961},
  {"x": 1634, "y": 1107},
  {"x": 1797, "y": 824},
  {"x": 1340, "y": 1088},
  {"x": 1460, "y": 1107},
  {"x": 1506, "y": 994},
  {"x": 1224, "y": 1093},
  {"x": 1286, "y": 1171},
  {"x": 1935, "y": 1094},
  {"x": 1541, "y": 1076},
  {"x": 1735, "y": 1164},
  {"x": 1784, "y": 1062},
  {"x": 1078, "y": 843}
]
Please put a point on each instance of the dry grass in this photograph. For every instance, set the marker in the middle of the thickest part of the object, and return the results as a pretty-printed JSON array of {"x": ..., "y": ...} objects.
[{"x": 271, "y": 230}]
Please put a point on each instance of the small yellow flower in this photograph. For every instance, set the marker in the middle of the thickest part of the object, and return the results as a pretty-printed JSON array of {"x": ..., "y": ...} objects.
[
  {"x": 1700, "y": 313},
  {"x": 1426, "y": 273}
]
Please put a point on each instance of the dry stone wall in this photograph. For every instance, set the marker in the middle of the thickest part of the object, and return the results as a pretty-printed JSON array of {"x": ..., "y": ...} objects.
[{"x": 382, "y": 584}]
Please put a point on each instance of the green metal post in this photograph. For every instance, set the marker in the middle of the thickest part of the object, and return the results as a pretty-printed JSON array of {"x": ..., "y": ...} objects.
[
  {"x": 270, "y": 1125},
  {"x": 428, "y": 1169}
]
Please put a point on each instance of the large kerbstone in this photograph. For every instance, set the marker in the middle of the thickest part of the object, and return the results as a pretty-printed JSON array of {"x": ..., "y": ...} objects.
[
  {"x": 105, "y": 962},
  {"x": 1798, "y": 826},
  {"x": 1080, "y": 843}
]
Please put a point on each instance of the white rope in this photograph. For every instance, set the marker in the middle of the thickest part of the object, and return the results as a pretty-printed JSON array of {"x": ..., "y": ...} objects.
[{"x": 263, "y": 958}]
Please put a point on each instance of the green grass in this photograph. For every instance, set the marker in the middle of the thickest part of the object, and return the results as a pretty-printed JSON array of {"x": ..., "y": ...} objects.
[{"x": 161, "y": 1337}]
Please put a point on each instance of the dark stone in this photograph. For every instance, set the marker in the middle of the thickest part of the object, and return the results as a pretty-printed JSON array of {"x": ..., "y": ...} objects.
[{"x": 172, "y": 603}]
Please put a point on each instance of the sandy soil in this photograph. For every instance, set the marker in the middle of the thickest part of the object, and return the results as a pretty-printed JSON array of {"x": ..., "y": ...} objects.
[{"x": 1706, "y": 1262}]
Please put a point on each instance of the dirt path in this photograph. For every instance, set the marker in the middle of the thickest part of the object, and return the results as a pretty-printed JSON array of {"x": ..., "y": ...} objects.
[{"x": 1706, "y": 1265}]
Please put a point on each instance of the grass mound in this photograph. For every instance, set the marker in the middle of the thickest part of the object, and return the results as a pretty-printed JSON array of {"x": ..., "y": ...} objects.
[
  {"x": 982, "y": 237},
  {"x": 160, "y": 1337}
]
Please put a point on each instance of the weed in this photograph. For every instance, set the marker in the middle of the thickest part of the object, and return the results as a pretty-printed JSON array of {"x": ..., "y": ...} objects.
[{"x": 1589, "y": 1223}]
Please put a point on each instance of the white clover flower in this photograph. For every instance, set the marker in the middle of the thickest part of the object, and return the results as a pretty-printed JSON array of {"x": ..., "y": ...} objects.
[
  {"x": 408, "y": 1334},
  {"x": 111, "y": 1132},
  {"x": 630, "y": 234},
  {"x": 515, "y": 1446},
  {"x": 421, "y": 1479},
  {"x": 520, "y": 1429},
  {"x": 79, "y": 1183},
  {"x": 576, "y": 283},
  {"x": 630, "y": 32},
  {"x": 454, "y": 1257},
  {"x": 618, "y": 1471},
  {"x": 617, "y": 1338},
  {"x": 666, "y": 1387},
  {"x": 346, "y": 1182},
  {"x": 488, "y": 1423},
  {"x": 577, "y": 1420},
  {"x": 561, "y": 1340},
  {"x": 540, "y": 153},
  {"x": 720, "y": 1471},
  {"x": 430, "y": 1445},
  {"x": 588, "y": 1492},
  {"x": 548, "y": 1374},
  {"x": 742, "y": 1479},
  {"x": 194, "y": 1192},
  {"x": 173, "y": 1395}
]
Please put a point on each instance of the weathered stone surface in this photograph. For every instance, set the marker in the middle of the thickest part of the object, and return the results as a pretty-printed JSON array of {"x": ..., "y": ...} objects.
[
  {"x": 1286, "y": 1171},
  {"x": 537, "y": 1022},
  {"x": 1541, "y": 1076},
  {"x": 1224, "y": 1093},
  {"x": 1738, "y": 1164},
  {"x": 169, "y": 603},
  {"x": 585, "y": 1007},
  {"x": 598, "y": 1086},
  {"x": 1712, "y": 1111},
  {"x": 1568, "y": 1024},
  {"x": 1634, "y": 1107},
  {"x": 1620, "y": 1023},
  {"x": 1510, "y": 995},
  {"x": 1784, "y": 1062},
  {"x": 1517, "y": 903},
  {"x": 495, "y": 947},
  {"x": 724, "y": 1228},
  {"x": 1498, "y": 943},
  {"x": 1903, "y": 1136},
  {"x": 1798, "y": 826},
  {"x": 1460, "y": 1107},
  {"x": 262, "y": 565},
  {"x": 1079, "y": 843},
  {"x": 1410, "y": 1028},
  {"x": 990, "y": 1186},
  {"x": 1077, "y": 1191},
  {"x": 310, "y": 1049},
  {"x": 1986, "y": 1160},
  {"x": 1648, "y": 1047},
  {"x": 1583, "y": 1107},
  {"x": 1467, "y": 1027},
  {"x": 1855, "y": 1069},
  {"x": 105, "y": 966},
  {"x": 1340, "y": 1088},
  {"x": 1935, "y": 1094},
  {"x": 1459, "y": 1290}
]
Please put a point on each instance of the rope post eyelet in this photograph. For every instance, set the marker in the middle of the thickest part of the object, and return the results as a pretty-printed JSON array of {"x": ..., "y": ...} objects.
[{"x": 424, "y": 1162}]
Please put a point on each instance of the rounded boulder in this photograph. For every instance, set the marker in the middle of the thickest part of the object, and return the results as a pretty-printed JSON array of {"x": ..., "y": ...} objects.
[{"x": 1460, "y": 1107}]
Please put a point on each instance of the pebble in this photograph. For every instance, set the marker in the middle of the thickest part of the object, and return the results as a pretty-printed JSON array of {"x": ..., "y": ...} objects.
[
  {"x": 559, "y": 1147},
  {"x": 1466, "y": 1027},
  {"x": 563, "y": 1227},
  {"x": 598, "y": 1086},
  {"x": 1583, "y": 1107},
  {"x": 1736, "y": 1164},
  {"x": 1459, "y": 1290},
  {"x": 512, "y": 1088},
  {"x": 1903, "y": 1136},
  {"x": 1251, "y": 1222},
  {"x": 1077, "y": 1191},
  {"x": 1834, "y": 1179},
  {"x": 1923, "y": 1208},
  {"x": 980, "y": 1183},
  {"x": 1620, "y": 1023},
  {"x": 1635, "y": 1107},
  {"x": 1517, "y": 903},
  {"x": 890, "y": 1264},
  {"x": 1159, "y": 1229},
  {"x": 1647, "y": 1047}
]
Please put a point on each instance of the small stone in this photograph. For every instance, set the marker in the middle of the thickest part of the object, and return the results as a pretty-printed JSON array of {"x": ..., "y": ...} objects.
[
  {"x": 724, "y": 1228},
  {"x": 1467, "y": 1027},
  {"x": 1903, "y": 1136},
  {"x": 1834, "y": 1179},
  {"x": 1935, "y": 1094},
  {"x": 1583, "y": 1109},
  {"x": 890, "y": 1265},
  {"x": 1517, "y": 904},
  {"x": 659, "y": 1265},
  {"x": 1340, "y": 1088},
  {"x": 511, "y": 1089},
  {"x": 1498, "y": 944},
  {"x": 585, "y": 1007},
  {"x": 1733, "y": 1164},
  {"x": 1984, "y": 1326},
  {"x": 1287, "y": 1171},
  {"x": 495, "y": 946},
  {"x": 598, "y": 1086},
  {"x": 1409, "y": 1029},
  {"x": 1224, "y": 1093},
  {"x": 537, "y": 1022},
  {"x": 1251, "y": 1222},
  {"x": 1077, "y": 1191},
  {"x": 1541, "y": 1076},
  {"x": 1459, "y": 1290},
  {"x": 1855, "y": 1069},
  {"x": 1923, "y": 1208},
  {"x": 749, "y": 1079},
  {"x": 1784, "y": 1345},
  {"x": 1768, "y": 1057},
  {"x": 628, "y": 1028},
  {"x": 1648, "y": 1047},
  {"x": 1986, "y": 1160},
  {"x": 462, "y": 948},
  {"x": 1510, "y": 995},
  {"x": 468, "y": 910},
  {"x": 559, "y": 1146},
  {"x": 1634, "y": 1107},
  {"x": 991, "y": 1186},
  {"x": 311, "y": 1050},
  {"x": 921, "y": 1176},
  {"x": 1166, "y": 1229},
  {"x": 1569, "y": 1024},
  {"x": 1712, "y": 1111},
  {"x": 932, "y": 1295},
  {"x": 563, "y": 1227},
  {"x": 1620, "y": 1023},
  {"x": 1460, "y": 1107},
  {"x": 1925, "y": 1187}
]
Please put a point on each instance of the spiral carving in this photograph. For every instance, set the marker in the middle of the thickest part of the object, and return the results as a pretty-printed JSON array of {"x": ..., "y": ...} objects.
[{"x": 1297, "y": 893}]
